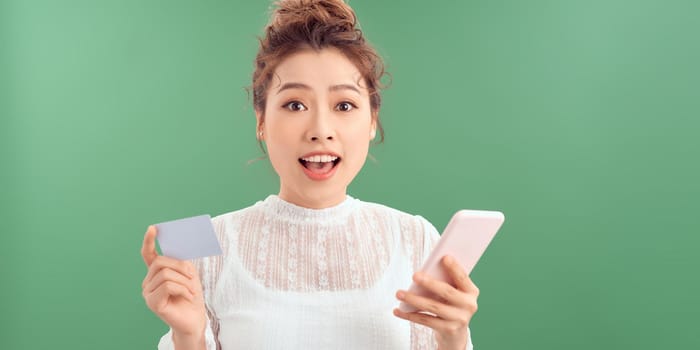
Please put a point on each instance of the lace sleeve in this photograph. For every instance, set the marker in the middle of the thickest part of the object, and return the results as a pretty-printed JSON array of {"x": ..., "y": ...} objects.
[
  {"x": 209, "y": 269},
  {"x": 426, "y": 237}
]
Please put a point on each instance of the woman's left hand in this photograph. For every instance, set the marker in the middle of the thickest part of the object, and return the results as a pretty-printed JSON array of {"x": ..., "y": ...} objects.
[{"x": 453, "y": 309}]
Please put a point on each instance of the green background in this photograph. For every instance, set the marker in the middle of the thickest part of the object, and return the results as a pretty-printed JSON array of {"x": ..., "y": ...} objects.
[{"x": 577, "y": 119}]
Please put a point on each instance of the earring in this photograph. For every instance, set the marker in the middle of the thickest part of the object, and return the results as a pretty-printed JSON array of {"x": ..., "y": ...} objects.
[{"x": 260, "y": 134}]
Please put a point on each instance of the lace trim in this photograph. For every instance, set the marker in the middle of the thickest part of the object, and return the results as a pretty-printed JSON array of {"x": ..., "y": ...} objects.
[
  {"x": 293, "y": 259},
  {"x": 280, "y": 208},
  {"x": 263, "y": 244}
]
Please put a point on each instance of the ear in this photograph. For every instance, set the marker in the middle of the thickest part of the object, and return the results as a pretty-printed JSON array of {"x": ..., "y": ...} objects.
[
  {"x": 259, "y": 124},
  {"x": 373, "y": 129}
]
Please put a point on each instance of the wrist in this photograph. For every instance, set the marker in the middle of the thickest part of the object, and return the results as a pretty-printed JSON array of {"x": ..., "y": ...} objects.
[
  {"x": 189, "y": 341},
  {"x": 453, "y": 342}
]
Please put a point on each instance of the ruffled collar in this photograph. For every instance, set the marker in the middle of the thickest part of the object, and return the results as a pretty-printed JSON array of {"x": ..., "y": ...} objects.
[{"x": 282, "y": 209}]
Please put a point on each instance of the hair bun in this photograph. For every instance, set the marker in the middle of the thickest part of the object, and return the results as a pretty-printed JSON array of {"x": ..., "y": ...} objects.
[
  {"x": 297, "y": 25},
  {"x": 332, "y": 14}
]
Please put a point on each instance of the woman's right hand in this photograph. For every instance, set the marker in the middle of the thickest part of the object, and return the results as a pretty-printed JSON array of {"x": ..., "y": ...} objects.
[{"x": 173, "y": 291}]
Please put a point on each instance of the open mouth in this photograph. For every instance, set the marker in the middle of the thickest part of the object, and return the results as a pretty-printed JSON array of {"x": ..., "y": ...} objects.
[{"x": 320, "y": 164}]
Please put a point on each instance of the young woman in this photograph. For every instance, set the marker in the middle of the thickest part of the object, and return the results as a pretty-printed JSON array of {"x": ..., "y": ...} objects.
[{"x": 312, "y": 267}]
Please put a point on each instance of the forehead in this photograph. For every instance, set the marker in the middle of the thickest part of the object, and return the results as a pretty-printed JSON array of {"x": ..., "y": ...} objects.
[{"x": 318, "y": 69}]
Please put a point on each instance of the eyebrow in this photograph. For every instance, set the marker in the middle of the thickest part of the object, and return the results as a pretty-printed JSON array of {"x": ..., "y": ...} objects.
[{"x": 303, "y": 86}]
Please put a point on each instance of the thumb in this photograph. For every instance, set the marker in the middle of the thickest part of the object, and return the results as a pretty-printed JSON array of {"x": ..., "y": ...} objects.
[{"x": 148, "y": 250}]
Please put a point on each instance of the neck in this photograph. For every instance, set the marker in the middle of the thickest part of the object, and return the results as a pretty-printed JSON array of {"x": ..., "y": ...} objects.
[{"x": 313, "y": 200}]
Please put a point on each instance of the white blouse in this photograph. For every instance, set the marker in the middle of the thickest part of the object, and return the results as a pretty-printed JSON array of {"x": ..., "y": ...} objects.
[{"x": 298, "y": 278}]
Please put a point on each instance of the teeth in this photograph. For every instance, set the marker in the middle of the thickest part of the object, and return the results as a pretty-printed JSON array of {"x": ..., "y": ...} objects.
[{"x": 320, "y": 158}]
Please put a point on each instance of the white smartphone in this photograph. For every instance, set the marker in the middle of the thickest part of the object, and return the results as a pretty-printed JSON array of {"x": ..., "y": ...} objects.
[{"x": 465, "y": 238}]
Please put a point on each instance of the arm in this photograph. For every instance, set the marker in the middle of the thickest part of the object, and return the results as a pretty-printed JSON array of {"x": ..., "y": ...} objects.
[
  {"x": 448, "y": 327},
  {"x": 182, "y": 300},
  {"x": 189, "y": 341},
  {"x": 207, "y": 340}
]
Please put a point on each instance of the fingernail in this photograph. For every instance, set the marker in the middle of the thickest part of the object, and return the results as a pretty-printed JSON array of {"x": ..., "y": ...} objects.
[
  {"x": 400, "y": 295},
  {"x": 418, "y": 277}
]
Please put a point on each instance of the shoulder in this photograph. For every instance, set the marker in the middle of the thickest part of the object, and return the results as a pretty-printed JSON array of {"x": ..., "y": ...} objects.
[
  {"x": 231, "y": 218},
  {"x": 226, "y": 226},
  {"x": 416, "y": 235},
  {"x": 409, "y": 223}
]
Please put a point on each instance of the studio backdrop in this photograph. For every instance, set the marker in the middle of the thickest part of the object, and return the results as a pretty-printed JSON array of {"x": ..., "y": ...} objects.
[{"x": 578, "y": 119}]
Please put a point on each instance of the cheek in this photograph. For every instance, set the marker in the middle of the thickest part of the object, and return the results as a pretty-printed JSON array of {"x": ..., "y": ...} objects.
[
  {"x": 279, "y": 149},
  {"x": 360, "y": 146},
  {"x": 274, "y": 158}
]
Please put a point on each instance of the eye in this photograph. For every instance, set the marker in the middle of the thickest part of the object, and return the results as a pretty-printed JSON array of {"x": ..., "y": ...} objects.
[
  {"x": 345, "y": 107},
  {"x": 295, "y": 106}
]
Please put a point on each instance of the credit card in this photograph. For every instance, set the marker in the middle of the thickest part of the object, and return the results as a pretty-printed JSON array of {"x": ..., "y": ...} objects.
[{"x": 188, "y": 238}]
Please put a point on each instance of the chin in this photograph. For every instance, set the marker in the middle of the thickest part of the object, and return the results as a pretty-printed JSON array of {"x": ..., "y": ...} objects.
[{"x": 320, "y": 195}]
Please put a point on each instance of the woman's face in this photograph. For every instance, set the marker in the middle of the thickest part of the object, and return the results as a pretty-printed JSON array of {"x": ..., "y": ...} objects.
[{"x": 317, "y": 126}]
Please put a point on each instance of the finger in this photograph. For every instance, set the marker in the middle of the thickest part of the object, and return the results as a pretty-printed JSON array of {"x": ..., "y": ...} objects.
[
  {"x": 148, "y": 249},
  {"x": 168, "y": 275},
  {"x": 160, "y": 297},
  {"x": 421, "y": 318},
  {"x": 161, "y": 262},
  {"x": 458, "y": 275},
  {"x": 444, "y": 328},
  {"x": 441, "y": 289},
  {"x": 435, "y": 307}
]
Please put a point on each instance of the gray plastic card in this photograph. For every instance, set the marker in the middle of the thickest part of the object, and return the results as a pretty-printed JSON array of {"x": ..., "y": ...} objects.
[{"x": 188, "y": 238}]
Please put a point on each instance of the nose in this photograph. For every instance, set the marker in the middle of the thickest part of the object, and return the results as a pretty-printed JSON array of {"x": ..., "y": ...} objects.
[
  {"x": 316, "y": 138},
  {"x": 321, "y": 128}
]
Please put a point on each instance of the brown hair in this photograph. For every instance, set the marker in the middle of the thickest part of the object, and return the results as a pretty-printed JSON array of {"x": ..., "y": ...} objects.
[{"x": 301, "y": 24}]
